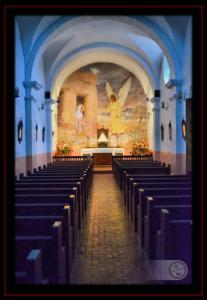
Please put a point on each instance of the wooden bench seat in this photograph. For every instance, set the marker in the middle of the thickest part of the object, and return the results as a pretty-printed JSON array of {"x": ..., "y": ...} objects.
[
  {"x": 150, "y": 201},
  {"x": 50, "y": 210},
  {"x": 153, "y": 192},
  {"x": 30, "y": 270},
  {"x": 152, "y": 222},
  {"x": 39, "y": 188},
  {"x": 50, "y": 246}
]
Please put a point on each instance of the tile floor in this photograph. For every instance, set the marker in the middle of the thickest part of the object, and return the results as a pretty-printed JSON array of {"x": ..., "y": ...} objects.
[{"x": 108, "y": 252}]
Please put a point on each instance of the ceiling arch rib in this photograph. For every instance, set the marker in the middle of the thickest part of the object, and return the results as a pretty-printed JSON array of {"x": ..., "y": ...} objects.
[
  {"x": 140, "y": 46},
  {"x": 138, "y": 60},
  {"x": 146, "y": 26},
  {"x": 100, "y": 55}
]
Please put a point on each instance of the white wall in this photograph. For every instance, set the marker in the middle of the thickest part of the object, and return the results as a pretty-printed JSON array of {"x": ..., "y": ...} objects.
[
  {"x": 167, "y": 116},
  {"x": 39, "y": 148},
  {"x": 39, "y": 155},
  {"x": 187, "y": 62},
  {"x": 20, "y": 148}
]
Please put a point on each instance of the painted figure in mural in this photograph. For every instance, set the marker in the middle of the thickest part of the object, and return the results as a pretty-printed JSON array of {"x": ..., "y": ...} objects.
[
  {"x": 115, "y": 105},
  {"x": 79, "y": 116}
]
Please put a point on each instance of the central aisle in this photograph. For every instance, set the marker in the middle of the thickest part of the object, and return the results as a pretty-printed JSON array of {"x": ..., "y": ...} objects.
[{"x": 108, "y": 252}]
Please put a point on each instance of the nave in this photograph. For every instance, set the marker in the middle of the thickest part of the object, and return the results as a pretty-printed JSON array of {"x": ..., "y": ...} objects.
[
  {"x": 103, "y": 149},
  {"x": 108, "y": 251},
  {"x": 76, "y": 227}
]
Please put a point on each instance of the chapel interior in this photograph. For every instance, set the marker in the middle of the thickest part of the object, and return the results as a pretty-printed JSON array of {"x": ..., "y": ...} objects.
[{"x": 103, "y": 149}]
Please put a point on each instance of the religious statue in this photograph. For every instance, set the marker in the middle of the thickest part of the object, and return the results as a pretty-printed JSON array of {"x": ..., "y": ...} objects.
[
  {"x": 115, "y": 105},
  {"x": 102, "y": 137},
  {"x": 79, "y": 116}
]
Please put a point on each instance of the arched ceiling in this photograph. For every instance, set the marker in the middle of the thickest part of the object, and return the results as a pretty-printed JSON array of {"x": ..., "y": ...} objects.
[
  {"x": 102, "y": 55},
  {"x": 138, "y": 40}
]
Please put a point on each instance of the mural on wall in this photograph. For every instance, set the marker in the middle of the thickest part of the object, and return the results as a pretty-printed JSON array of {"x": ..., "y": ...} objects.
[
  {"x": 102, "y": 95},
  {"x": 115, "y": 105}
]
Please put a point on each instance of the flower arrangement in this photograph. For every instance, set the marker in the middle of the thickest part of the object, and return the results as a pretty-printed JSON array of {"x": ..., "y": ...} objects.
[
  {"x": 140, "y": 148},
  {"x": 63, "y": 149}
]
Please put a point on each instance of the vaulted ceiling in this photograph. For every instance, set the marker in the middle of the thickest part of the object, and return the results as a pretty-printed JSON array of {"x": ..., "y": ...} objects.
[{"x": 138, "y": 43}]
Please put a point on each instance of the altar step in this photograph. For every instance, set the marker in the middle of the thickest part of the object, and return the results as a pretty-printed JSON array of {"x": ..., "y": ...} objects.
[{"x": 102, "y": 169}]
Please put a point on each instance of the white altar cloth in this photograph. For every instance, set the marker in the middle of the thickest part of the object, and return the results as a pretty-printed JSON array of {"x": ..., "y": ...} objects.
[{"x": 90, "y": 151}]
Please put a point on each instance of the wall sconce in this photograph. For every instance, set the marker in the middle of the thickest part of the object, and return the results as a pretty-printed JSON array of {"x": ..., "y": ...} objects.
[
  {"x": 20, "y": 131},
  {"x": 184, "y": 129},
  {"x": 36, "y": 132},
  {"x": 51, "y": 101},
  {"x": 162, "y": 132},
  {"x": 43, "y": 134},
  {"x": 170, "y": 131},
  {"x": 178, "y": 96},
  {"x": 163, "y": 106},
  {"x": 16, "y": 92}
]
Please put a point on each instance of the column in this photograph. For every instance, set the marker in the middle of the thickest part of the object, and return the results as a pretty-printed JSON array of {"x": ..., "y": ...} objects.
[
  {"x": 28, "y": 125},
  {"x": 28, "y": 85},
  {"x": 180, "y": 142},
  {"x": 156, "y": 127},
  {"x": 48, "y": 115}
]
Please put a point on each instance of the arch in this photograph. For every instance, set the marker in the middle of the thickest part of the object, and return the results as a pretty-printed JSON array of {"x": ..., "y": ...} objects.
[
  {"x": 87, "y": 57},
  {"x": 106, "y": 52},
  {"x": 164, "y": 42},
  {"x": 148, "y": 26}
]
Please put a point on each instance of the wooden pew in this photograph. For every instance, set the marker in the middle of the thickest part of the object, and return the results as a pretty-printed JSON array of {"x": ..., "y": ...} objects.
[
  {"x": 30, "y": 272},
  {"x": 50, "y": 199},
  {"x": 120, "y": 167},
  {"x": 142, "y": 207},
  {"x": 39, "y": 188},
  {"x": 153, "y": 192},
  {"x": 175, "y": 241},
  {"x": 50, "y": 210},
  {"x": 156, "y": 183},
  {"x": 166, "y": 215},
  {"x": 51, "y": 249},
  {"x": 144, "y": 170},
  {"x": 85, "y": 188},
  {"x": 130, "y": 179},
  {"x": 159, "y": 200},
  {"x": 71, "y": 187},
  {"x": 83, "y": 178},
  {"x": 152, "y": 223},
  {"x": 133, "y": 183}
]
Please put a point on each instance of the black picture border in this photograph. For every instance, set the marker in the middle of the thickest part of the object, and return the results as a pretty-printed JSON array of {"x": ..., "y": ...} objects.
[{"x": 195, "y": 9}]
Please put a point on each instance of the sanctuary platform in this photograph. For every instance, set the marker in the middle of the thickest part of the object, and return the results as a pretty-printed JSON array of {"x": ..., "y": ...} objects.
[{"x": 102, "y": 156}]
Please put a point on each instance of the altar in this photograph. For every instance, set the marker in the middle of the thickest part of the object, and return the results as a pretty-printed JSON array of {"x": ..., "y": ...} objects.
[
  {"x": 113, "y": 151},
  {"x": 102, "y": 156}
]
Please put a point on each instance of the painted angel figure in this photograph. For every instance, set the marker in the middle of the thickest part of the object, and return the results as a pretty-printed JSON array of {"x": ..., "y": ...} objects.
[
  {"x": 116, "y": 103},
  {"x": 79, "y": 116}
]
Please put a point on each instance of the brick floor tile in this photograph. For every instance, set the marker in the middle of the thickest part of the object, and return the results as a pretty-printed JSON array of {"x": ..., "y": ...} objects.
[{"x": 108, "y": 251}]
